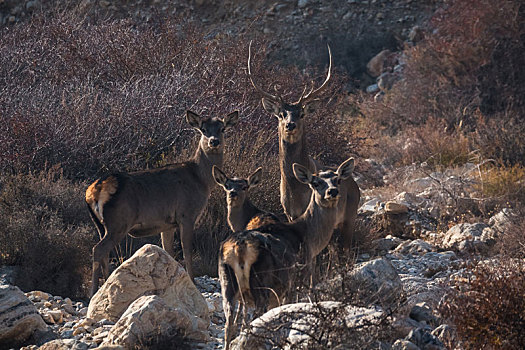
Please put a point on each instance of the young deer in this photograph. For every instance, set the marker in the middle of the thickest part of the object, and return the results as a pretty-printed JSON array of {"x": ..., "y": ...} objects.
[
  {"x": 150, "y": 202},
  {"x": 295, "y": 196},
  {"x": 242, "y": 213},
  {"x": 255, "y": 266}
]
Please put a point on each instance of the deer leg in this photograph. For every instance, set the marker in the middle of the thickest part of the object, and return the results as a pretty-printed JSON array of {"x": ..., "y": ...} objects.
[
  {"x": 101, "y": 252},
  {"x": 167, "y": 242},
  {"x": 101, "y": 261},
  {"x": 186, "y": 237},
  {"x": 230, "y": 326},
  {"x": 348, "y": 230}
]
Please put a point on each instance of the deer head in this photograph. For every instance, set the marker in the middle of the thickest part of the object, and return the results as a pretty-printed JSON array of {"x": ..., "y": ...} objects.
[
  {"x": 325, "y": 184},
  {"x": 290, "y": 115},
  {"x": 212, "y": 129},
  {"x": 236, "y": 188}
]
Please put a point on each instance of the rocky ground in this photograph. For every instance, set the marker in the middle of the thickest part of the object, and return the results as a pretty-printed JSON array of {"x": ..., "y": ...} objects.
[
  {"x": 295, "y": 30},
  {"x": 410, "y": 265}
]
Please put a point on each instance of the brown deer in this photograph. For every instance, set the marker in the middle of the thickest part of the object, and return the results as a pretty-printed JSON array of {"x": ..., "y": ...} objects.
[
  {"x": 255, "y": 266},
  {"x": 295, "y": 196},
  {"x": 242, "y": 213},
  {"x": 150, "y": 202}
]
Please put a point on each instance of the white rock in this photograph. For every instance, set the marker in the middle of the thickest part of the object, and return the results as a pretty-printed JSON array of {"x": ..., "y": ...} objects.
[
  {"x": 465, "y": 237},
  {"x": 375, "y": 281},
  {"x": 149, "y": 271},
  {"x": 19, "y": 318},
  {"x": 150, "y": 316},
  {"x": 293, "y": 324}
]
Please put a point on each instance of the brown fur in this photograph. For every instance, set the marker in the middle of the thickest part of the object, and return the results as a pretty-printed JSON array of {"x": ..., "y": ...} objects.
[
  {"x": 237, "y": 254},
  {"x": 259, "y": 221},
  {"x": 99, "y": 193}
]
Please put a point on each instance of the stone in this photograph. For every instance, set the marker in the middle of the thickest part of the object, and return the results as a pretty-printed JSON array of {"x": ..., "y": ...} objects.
[
  {"x": 19, "y": 318},
  {"x": 149, "y": 271},
  {"x": 371, "y": 89},
  {"x": 31, "y": 5},
  {"x": 402, "y": 344},
  {"x": 425, "y": 340},
  {"x": 416, "y": 34},
  {"x": 375, "y": 281},
  {"x": 370, "y": 206},
  {"x": 422, "y": 312},
  {"x": 502, "y": 220},
  {"x": 376, "y": 65},
  {"x": 466, "y": 237},
  {"x": 302, "y": 3},
  {"x": 415, "y": 247},
  {"x": 395, "y": 208},
  {"x": 150, "y": 316},
  {"x": 384, "y": 245},
  {"x": 64, "y": 344},
  {"x": 57, "y": 315},
  {"x": 292, "y": 324}
]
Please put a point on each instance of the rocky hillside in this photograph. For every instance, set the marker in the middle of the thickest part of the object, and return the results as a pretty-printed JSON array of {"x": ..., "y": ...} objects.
[{"x": 295, "y": 30}]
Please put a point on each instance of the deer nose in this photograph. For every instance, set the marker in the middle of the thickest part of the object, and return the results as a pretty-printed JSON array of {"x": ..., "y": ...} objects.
[
  {"x": 233, "y": 194},
  {"x": 333, "y": 192},
  {"x": 214, "y": 142},
  {"x": 291, "y": 126}
]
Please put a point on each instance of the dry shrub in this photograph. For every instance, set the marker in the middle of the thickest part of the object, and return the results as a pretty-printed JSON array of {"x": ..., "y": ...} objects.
[
  {"x": 488, "y": 307},
  {"x": 45, "y": 230},
  {"x": 467, "y": 74},
  {"x": 504, "y": 182}
]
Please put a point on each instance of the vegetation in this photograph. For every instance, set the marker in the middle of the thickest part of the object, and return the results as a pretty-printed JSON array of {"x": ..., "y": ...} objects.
[{"x": 81, "y": 96}]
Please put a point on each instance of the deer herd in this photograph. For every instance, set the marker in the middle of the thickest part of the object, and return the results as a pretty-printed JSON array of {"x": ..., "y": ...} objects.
[{"x": 257, "y": 261}]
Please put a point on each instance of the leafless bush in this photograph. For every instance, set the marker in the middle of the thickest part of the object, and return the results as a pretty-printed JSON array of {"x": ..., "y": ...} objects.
[
  {"x": 45, "y": 230},
  {"x": 487, "y": 307}
]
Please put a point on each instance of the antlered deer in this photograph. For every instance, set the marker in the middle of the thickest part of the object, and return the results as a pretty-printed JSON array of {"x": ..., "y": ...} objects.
[
  {"x": 150, "y": 202},
  {"x": 295, "y": 196},
  {"x": 255, "y": 266},
  {"x": 242, "y": 213}
]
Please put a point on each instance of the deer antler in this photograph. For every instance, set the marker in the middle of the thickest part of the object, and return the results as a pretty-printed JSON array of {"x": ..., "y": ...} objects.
[
  {"x": 264, "y": 93},
  {"x": 313, "y": 93}
]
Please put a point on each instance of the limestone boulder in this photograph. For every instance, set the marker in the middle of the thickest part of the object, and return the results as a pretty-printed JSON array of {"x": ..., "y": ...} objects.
[
  {"x": 150, "y": 271},
  {"x": 19, "y": 318},
  {"x": 377, "y": 64},
  {"x": 151, "y": 317},
  {"x": 291, "y": 326},
  {"x": 468, "y": 237},
  {"x": 375, "y": 281}
]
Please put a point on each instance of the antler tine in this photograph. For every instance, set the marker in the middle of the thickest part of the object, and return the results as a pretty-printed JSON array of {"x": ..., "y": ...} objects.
[
  {"x": 264, "y": 93},
  {"x": 313, "y": 93}
]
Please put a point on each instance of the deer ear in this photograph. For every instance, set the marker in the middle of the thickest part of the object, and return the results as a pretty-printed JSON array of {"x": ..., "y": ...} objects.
[
  {"x": 219, "y": 175},
  {"x": 255, "y": 178},
  {"x": 302, "y": 174},
  {"x": 231, "y": 119},
  {"x": 345, "y": 169},
  {"x": 271, "y": 107},
  {"x": 193, "y": 119}
]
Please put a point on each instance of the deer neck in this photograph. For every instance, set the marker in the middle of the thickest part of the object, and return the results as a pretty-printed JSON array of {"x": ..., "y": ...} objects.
[
  {"x": 238, "y": 217},
  {"x": 204, "y": 162},
  {"x": 290, "y": 153},
  {"x": 317, "y": 224}
]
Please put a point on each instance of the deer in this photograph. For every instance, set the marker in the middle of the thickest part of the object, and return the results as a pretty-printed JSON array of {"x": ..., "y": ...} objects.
[
  {"x": 256, "y": 266},
  {"x": 242, "y": 213},
  {"x": 294, "y": 195},
  {"x": 149, "y": 202}
]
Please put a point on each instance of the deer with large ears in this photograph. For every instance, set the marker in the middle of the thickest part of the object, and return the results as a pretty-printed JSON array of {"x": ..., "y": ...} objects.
[
  {"x": 150, "y": 202},
  {"x": 256, "y": 266},
  {"x": 242, "y": 213},
  {"x": 292, "y": 119}
]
